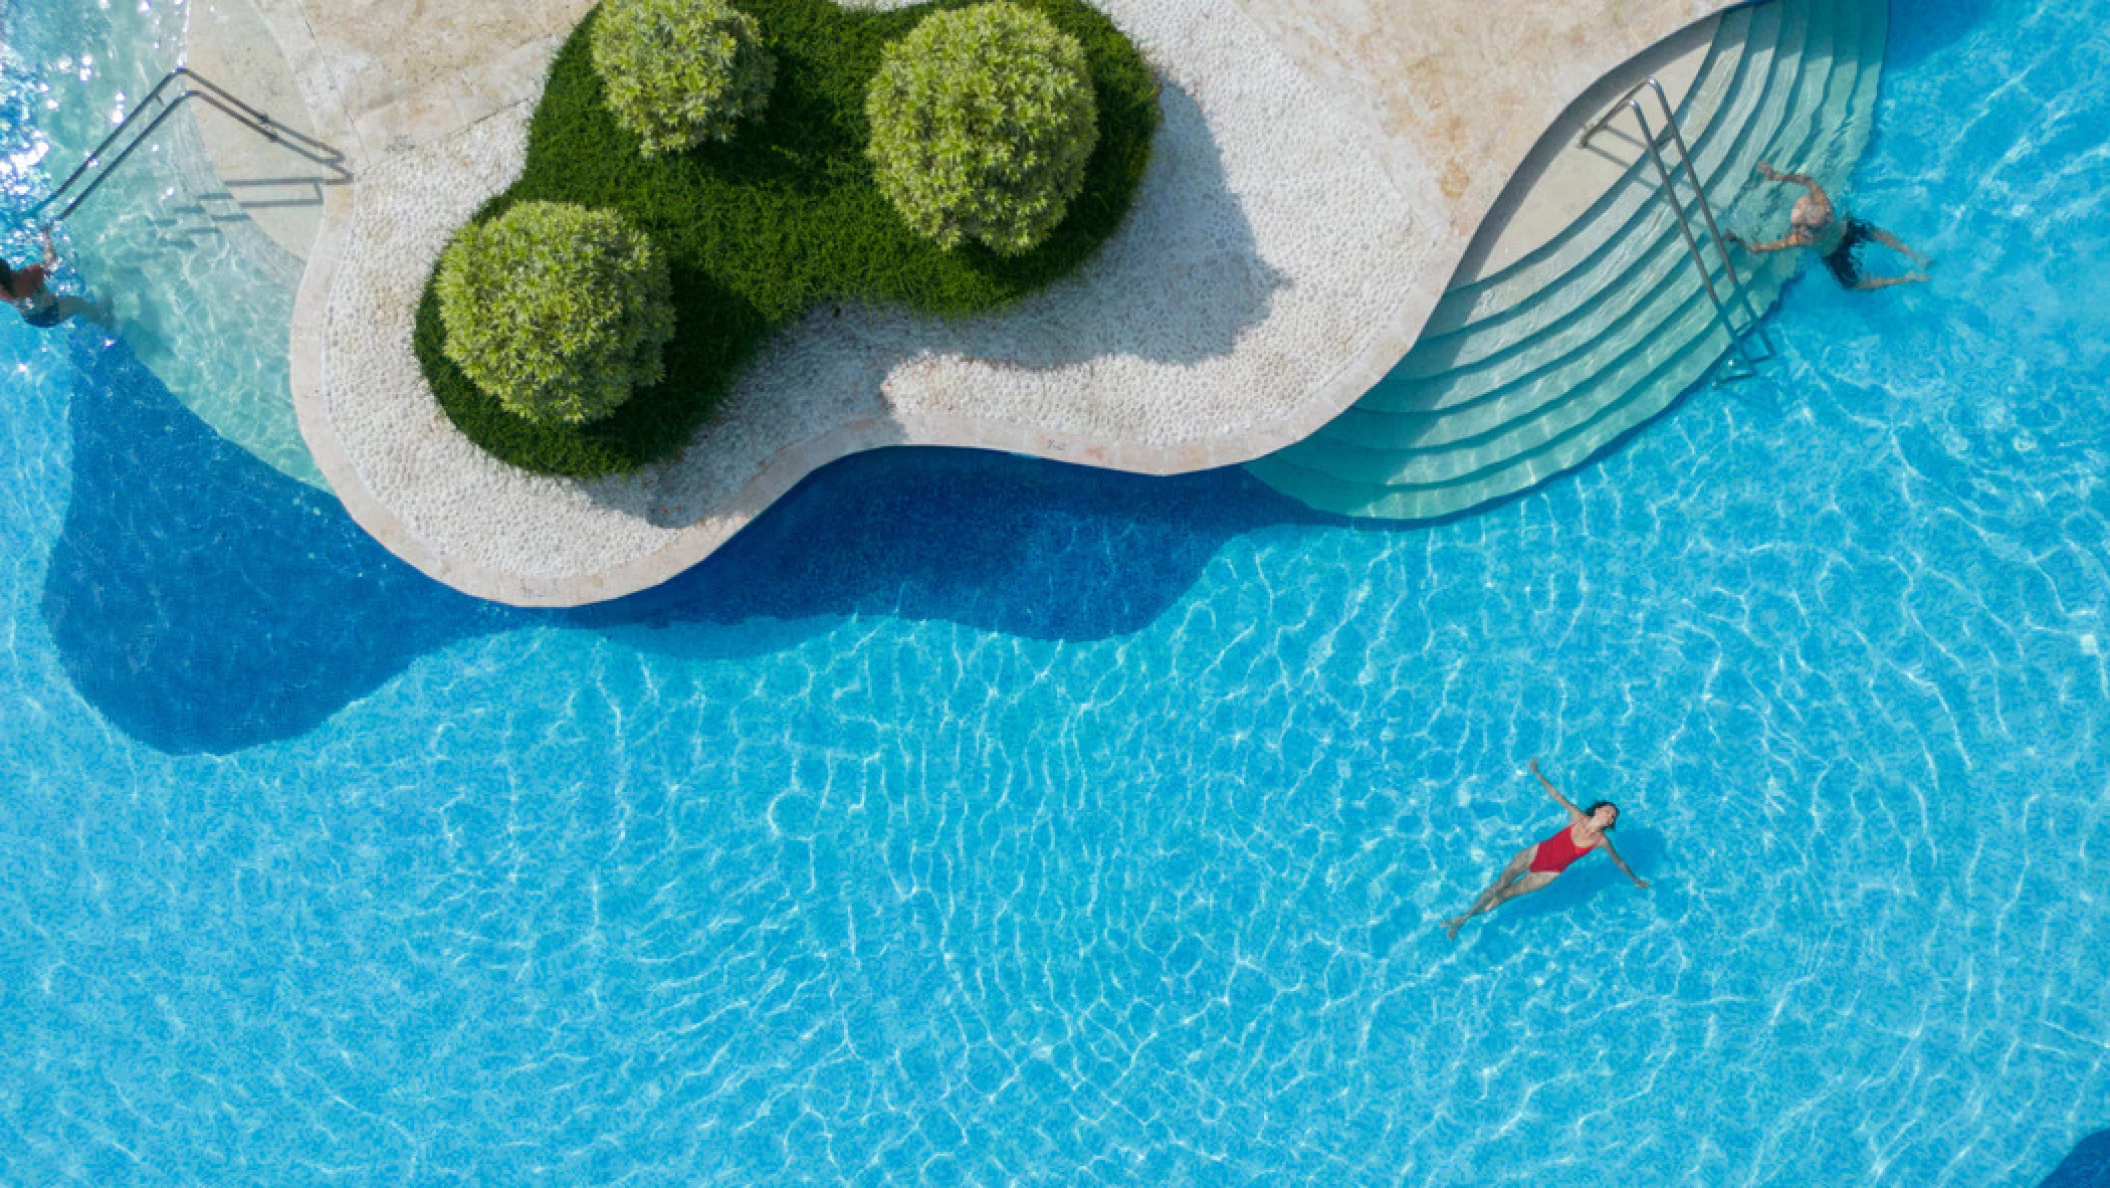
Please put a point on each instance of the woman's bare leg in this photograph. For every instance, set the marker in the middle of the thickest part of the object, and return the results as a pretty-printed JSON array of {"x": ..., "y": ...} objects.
[
  {"x": 1518, "y": 867},
  {"x": 1495, "y": 897}
]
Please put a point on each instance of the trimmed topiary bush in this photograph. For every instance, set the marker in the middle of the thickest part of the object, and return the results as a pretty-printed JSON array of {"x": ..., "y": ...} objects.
[
  {"x": 788, "y": 215},
  {"x": 982, "y": 121},
  {"x": 557, "y": 311},
  {"x": 680, "y": 72}
]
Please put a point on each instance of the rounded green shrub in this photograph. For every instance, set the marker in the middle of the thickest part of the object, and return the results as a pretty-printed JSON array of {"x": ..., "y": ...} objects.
[
  {"x": 680, "y": 72},
  {"x": 982, "y": 121},
  {"x": 557, "y": 311},
  {"x": 788, "y": 213}
]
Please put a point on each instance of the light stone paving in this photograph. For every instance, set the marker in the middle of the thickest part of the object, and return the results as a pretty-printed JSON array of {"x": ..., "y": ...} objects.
[
  {"x": 1565, "y": 174},
  {"x": 281, "y": 191},
  {"x": 1320, "y": 169}
]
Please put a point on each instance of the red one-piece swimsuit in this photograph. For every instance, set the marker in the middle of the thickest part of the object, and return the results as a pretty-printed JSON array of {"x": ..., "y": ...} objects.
[{"x": 1556, "y": 852}]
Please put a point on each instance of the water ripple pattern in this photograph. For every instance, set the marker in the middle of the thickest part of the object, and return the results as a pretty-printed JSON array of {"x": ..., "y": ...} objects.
[{"x": 978, "y": 821}]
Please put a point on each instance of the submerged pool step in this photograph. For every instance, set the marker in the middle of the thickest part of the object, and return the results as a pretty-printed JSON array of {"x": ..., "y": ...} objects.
[
  {"x": 1530, "y": 372},
  {"x": 1638, "y": 302},
  {"x": 1628, "y": 219}
]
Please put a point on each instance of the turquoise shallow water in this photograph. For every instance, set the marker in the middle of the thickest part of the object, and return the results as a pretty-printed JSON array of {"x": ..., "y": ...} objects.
[
  {"x": 195, "y": 289},
  {"x": 977, "y": 821}
]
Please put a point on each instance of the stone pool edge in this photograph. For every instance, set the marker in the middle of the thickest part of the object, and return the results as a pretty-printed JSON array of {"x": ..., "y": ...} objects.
[{"x": 769, "y": 475}]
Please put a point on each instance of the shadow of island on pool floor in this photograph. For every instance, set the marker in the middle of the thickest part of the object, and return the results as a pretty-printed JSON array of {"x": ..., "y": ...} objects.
[
  {"x": 2086, "y": 1166},
  {"x": 203, "y": 602}
]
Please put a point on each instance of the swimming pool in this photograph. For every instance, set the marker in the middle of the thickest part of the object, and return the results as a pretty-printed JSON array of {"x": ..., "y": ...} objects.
[
  {"x": 197, "y": 290},
  {"x": 973, "y": 820}
]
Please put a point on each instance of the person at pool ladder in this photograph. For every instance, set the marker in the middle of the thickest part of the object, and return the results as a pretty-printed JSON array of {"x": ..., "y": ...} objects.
[
  {"x": 1536, "y": 866},
  {"x": 28, "y": 292},
  {"x": 1815, "y": 224}
]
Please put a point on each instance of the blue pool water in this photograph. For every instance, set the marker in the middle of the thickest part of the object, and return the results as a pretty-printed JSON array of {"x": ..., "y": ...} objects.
[{"x": 978, "y": 821}]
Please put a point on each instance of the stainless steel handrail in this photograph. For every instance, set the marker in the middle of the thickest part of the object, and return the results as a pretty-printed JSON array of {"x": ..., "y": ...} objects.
[
  {"x": 1667, "y": 190},
  {"x": 211, "y": 93},
  {"x": 1677, "y": 135}
]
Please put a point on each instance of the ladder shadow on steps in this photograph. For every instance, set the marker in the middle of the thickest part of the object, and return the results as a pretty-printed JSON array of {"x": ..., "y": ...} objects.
[{"x": 1616, "y": 145}]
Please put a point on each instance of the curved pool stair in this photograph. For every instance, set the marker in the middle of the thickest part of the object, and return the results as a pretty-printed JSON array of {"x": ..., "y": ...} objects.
[
  {"x": 187, "y": 200},
  {"x": 1531, "y": 370}
]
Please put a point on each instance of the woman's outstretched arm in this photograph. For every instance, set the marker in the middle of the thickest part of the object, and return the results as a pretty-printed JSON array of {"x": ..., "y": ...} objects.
[
  {"x": 1574, "y": 814},
  {"x": 1619, "y": 862}
]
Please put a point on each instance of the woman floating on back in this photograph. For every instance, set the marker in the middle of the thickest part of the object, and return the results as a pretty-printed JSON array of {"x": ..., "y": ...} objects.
[{"x": 1536, "y": 866}]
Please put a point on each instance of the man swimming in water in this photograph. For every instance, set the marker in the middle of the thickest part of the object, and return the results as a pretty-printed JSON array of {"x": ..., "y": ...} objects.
[
  {"x": 1536, "y": 866},
  {"x": 1814, "y": 224},
  {"x": 27, "y": 291}
]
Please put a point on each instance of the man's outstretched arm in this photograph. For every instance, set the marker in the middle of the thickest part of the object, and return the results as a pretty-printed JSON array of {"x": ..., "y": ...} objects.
[
  {"x": 1798, "y": 179},
  {"x": 1793, "y": 239}
]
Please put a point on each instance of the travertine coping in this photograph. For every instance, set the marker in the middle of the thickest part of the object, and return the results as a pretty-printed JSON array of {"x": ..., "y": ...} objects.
[
  {"x": 280, "y": 191},
  {"x": 1320, "y": 171},
  {"x": 1565, "y": 174}
]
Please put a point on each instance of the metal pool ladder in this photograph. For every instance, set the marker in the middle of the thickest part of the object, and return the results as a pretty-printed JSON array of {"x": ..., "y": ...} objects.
[
  {"x": 193, "y": 86},
  {"x": 1744, "y": 363}
]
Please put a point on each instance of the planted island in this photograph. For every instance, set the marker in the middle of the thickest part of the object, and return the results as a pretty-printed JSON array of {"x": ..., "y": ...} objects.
[{"x": 699, "y": 174}]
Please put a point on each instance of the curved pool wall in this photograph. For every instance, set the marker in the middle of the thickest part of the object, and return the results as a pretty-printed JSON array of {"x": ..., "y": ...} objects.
[{"x": 976, "y": 820}]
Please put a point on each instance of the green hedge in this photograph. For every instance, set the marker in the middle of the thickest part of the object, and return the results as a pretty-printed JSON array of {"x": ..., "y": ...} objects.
[
  {"x": 559, "y": 312},
  {"x": 982, "y": 121},
  {"x": 784, "y": 218},
  {"x": 680, "y": 72}
]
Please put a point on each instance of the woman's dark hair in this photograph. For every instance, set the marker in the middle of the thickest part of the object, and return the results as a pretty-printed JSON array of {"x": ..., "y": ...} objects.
[
  {"x": 1598, "y": 804},
  {"x": 7, "y": 277}
]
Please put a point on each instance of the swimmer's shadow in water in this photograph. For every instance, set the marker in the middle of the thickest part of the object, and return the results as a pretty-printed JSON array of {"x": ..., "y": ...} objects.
[{"x": 206, "y": 603}]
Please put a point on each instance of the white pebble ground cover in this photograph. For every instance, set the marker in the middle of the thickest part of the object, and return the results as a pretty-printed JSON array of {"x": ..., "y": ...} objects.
[{"x": 1265, "y": 251}]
